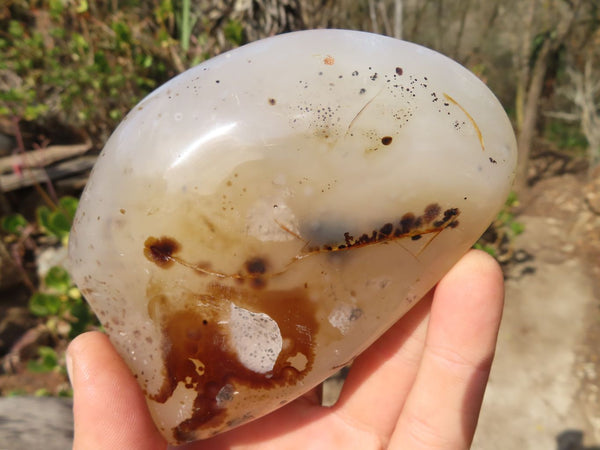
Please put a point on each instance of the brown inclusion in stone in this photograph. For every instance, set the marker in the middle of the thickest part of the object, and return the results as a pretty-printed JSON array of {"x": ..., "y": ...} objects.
[
  {"x": 197, "y": 350},
  {"x": 160, "y": 250}
]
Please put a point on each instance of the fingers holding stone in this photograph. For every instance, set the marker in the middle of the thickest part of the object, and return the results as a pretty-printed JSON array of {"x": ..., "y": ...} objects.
[
  {"x": 383, "y": 375},
  {"x": 442, "y": 409},
  {"x": 108, "y": 405}
]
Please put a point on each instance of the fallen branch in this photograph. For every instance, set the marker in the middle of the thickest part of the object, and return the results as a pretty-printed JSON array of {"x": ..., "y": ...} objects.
[
  {"x": 43, "y": 157},
  {"x": 29, "y": 177},
  {"x": 567, "y": 117}
]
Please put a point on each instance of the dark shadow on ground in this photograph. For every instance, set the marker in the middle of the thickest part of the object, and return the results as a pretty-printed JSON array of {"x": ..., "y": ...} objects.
[{"x": 572, "y": 440}]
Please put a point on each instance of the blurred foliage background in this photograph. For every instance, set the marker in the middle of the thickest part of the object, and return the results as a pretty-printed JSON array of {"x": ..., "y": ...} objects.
[
  {"x": 83, "y": 64},
  {"x": 71, "y": 69}
]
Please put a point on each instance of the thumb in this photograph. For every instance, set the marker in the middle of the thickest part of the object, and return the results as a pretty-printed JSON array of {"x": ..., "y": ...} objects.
[{"x": 108, "y": 405}]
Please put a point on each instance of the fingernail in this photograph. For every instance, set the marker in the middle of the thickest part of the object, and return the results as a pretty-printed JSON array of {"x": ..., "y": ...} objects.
[{"x": 69, "y": 364}]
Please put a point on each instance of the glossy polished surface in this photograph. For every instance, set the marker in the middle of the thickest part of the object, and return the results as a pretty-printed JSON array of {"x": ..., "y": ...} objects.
[{"x": 262, "y": 218}]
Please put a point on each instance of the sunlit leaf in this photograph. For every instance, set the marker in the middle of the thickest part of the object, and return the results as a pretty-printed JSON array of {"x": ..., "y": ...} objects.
[
  {"x": 58, "y": 279},
  {"x": 46, "y": 362},
  {"x": 41, "y": 304},
  {"x": 13, "y": 223}
]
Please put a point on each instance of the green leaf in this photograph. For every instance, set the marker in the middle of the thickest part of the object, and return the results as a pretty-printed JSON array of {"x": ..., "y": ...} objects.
[
  {"x": 123, "y": 32},
  {"x": 486, "y": 248},
  {"x": 58, "y": 279},
  {"x": 80, "y": 43},
  {"x": 13, "y": 223},
  {"x": 68, "y": 393},
  {"x": 16, "y": 392},
  {"x": 84, "y": 316},
  {"x": 82, "y": 7},
  {"x": 146, "y": 61},
  {"x": 33, "y": 112},
  {"x": 46, "y": 362},
  {"x": 512, "y": 199},
  {"x": 15, "y": 29},
  {"x": 74, "y": 293},
  {"x": 69, "y": 205},
  {"x": 43, "y": 217},
  {"x": 56, "y": 8},
  {"x": 43, "y": 305},
  {"x": 163, "y": 11},
  {"x": 114, "y": 114},
  {"x": 60, "y": 224},
  {"x": 42, "y": 392},
  {"x": 57, "y": 223},
  {"x": 101, "y": 63},
  {"x": 517, "y": 228},
  {"x": 185, "y": 25},
  {"x": 234, "y": 32}
]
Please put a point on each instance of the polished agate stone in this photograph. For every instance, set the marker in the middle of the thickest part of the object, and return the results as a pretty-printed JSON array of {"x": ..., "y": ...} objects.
[{"x": 258, "y": 221}]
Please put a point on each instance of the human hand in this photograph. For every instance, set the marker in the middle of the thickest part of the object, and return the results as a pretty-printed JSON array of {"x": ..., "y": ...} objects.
[{"x": 420, "y": 386}]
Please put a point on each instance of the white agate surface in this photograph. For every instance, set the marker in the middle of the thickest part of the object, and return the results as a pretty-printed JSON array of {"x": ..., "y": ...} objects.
[{"x": 262, "y": 218}]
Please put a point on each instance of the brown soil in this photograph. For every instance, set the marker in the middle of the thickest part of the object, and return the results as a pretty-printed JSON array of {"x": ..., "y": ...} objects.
[{"x": 544, "y": 386}]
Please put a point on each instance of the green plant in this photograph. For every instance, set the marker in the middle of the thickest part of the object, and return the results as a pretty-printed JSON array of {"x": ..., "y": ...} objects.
[
  {"x": 84, "y": 64},
  {"x": 234, "y": 32},
  {"x": 488, "y": 248},
  {"x": 57, "y": 222},
  {"x": 567, "y": 136},
  {"x": 498, "y": 238},
  {"x": 506, "y": 218},
  {"x": 57, "y": 301},
  {"x": 186, "y": 25},
  {"x": 47, "y": 361},
  {"x": 75, "y": 66},
  {"x": 16, "y": 392},
  {"x": 14, "y": 224},
  {"x": 61, "y": 304}
]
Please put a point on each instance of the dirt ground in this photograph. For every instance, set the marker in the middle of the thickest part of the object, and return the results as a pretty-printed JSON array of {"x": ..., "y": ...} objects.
[{"x": 543, "y": 390}]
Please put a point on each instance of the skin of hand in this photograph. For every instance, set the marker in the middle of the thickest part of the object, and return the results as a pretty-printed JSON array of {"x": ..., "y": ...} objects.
[{"x": 420, "y": 386}]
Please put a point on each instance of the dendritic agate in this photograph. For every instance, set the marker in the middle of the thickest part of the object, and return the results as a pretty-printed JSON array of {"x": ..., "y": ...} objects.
[{"x": 262, "y": 218}]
